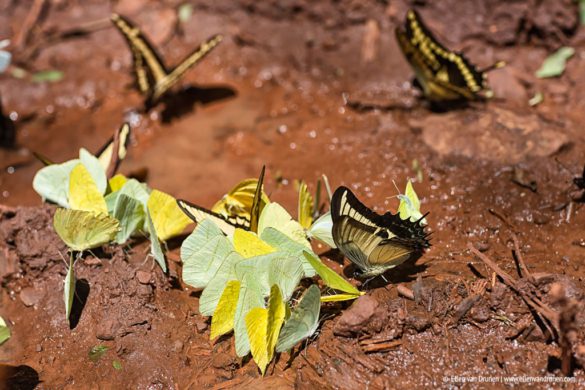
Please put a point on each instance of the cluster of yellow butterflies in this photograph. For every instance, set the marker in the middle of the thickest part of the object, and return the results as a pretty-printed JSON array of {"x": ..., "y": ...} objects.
[
  {"x": 97, "y": 208},
  {"x": 249, "y": 255},
  {"x": 443, "y": 75}
]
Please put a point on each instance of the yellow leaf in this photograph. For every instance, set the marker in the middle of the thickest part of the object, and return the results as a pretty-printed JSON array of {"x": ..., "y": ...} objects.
[
  {"x": 167, "y": 217},
  {"x": 263, "y": 327},
  {"x": 83, "y": 192},
  {"x": 222, "y": 321},
  {"x": 117, "y": 182},
  {"x": 248, "y": 244}
]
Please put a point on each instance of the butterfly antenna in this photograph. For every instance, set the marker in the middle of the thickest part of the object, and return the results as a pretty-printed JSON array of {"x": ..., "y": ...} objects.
[{"x": 497, "y": 65}]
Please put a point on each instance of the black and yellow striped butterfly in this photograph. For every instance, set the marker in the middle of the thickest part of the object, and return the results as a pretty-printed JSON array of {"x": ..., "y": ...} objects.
[
  {"x": 109, "y": 160},
  {"x": 374, "y": 243},
  {"x": 152, "y": 77},
  {"x": 229, "y": 223},
  {"x": 442, "y": 74}
]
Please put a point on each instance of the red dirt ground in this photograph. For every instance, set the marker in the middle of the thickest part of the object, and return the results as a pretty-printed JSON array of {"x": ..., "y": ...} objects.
[{"x": 275, "y": 93}]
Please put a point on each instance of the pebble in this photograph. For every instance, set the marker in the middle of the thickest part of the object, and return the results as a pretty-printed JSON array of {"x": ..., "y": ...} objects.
[
  {"x": 143, "y": 277},
  {"x": 31, "y": 296}
]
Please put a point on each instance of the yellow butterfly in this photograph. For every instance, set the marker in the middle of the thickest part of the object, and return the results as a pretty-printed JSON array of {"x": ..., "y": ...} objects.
[{"x": 229, "y": 223}]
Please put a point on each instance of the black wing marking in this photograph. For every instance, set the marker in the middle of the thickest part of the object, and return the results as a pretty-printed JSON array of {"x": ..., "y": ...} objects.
[
  {"x": 257, "y": 202},
  {"x": 227, "y": 224},
  {"x": 370, "y": 240}
]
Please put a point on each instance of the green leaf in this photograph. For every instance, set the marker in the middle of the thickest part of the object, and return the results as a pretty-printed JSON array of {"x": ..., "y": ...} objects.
[
  {"x": 51, "y": 76},
  {"x": 554, "y": 65},
  {"x": 117, "y": 365},
  {"x": 330, "y": 277},
  {"x": 96, "y": 352},
  {"x": 69, "y": 288},
  {"x": 4, "y": 331},
  {"x": 582, "y": 11}
]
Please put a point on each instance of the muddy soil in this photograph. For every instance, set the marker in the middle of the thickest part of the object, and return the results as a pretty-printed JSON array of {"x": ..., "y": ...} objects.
[{"x": 306, "y": 88}]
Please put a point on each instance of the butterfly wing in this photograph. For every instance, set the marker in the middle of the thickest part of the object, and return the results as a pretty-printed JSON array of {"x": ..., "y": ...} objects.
[
  {"x": 227, "y": 224},
  {"x": 373, "y": 242},
  {"x": 164, "y": 84},
  {"x": 147, "y": 61},
  {"x": 119, "y": 141},
  {"x": 303, "y": 321},
  {"x": 257, "y": 203},
  {"x": 443, "y": 74},
  {"x": 305, "y": 212},
  {"x": 82, "y": 230},
  {"x": 238, "y": 201}
]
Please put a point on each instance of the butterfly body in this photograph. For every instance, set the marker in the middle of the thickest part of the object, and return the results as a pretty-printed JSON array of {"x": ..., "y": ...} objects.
[
  {"x": 152, "y": 76},
  {"x": 442, "y": 74},
  {"x": 374, "y": 243}
]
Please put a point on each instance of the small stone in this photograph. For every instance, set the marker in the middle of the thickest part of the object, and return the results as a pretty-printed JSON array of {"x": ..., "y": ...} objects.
[
  {"x": 31, "y": 296},
  {"x": 201, "y": 324},
  {"x": 143, "y": 277},
  {"x": 357, "y": 317},
  {"x": 39, "y": 348},
  {"x": 107, "y": 330},
  {"x": 177, "y": 346}
]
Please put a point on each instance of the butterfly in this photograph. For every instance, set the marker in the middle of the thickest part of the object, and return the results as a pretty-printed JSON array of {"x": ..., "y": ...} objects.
[
  {"x": 238, "y": 201},
  {"x": 442, "y": 74},
  {"x": 82, "y": 230},
  {"x": 152, "y": 77},
  {"x": 303, "y": 321},
  {"x": 374, "y": 243},
  {"x": 229, "y": 223},
  {"x": 109, "y": 160}
]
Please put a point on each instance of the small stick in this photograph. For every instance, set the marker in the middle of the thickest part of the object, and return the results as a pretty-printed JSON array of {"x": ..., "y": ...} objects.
[
  {"x": 381, "y": 347},
  {"x": 518, "y": 256},
  {"x": 535, "y": 303},
  {"x": 31, "y": 19}
]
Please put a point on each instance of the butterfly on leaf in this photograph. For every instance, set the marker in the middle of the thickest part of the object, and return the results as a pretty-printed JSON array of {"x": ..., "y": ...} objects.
[
  {"x": 229, "y": 222},
  {"x": 442, "y": 74},
  {"x": 374, "y": 243},
  {"x": 109, "y": 160},
  {"x": 152, "y": 76}
]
